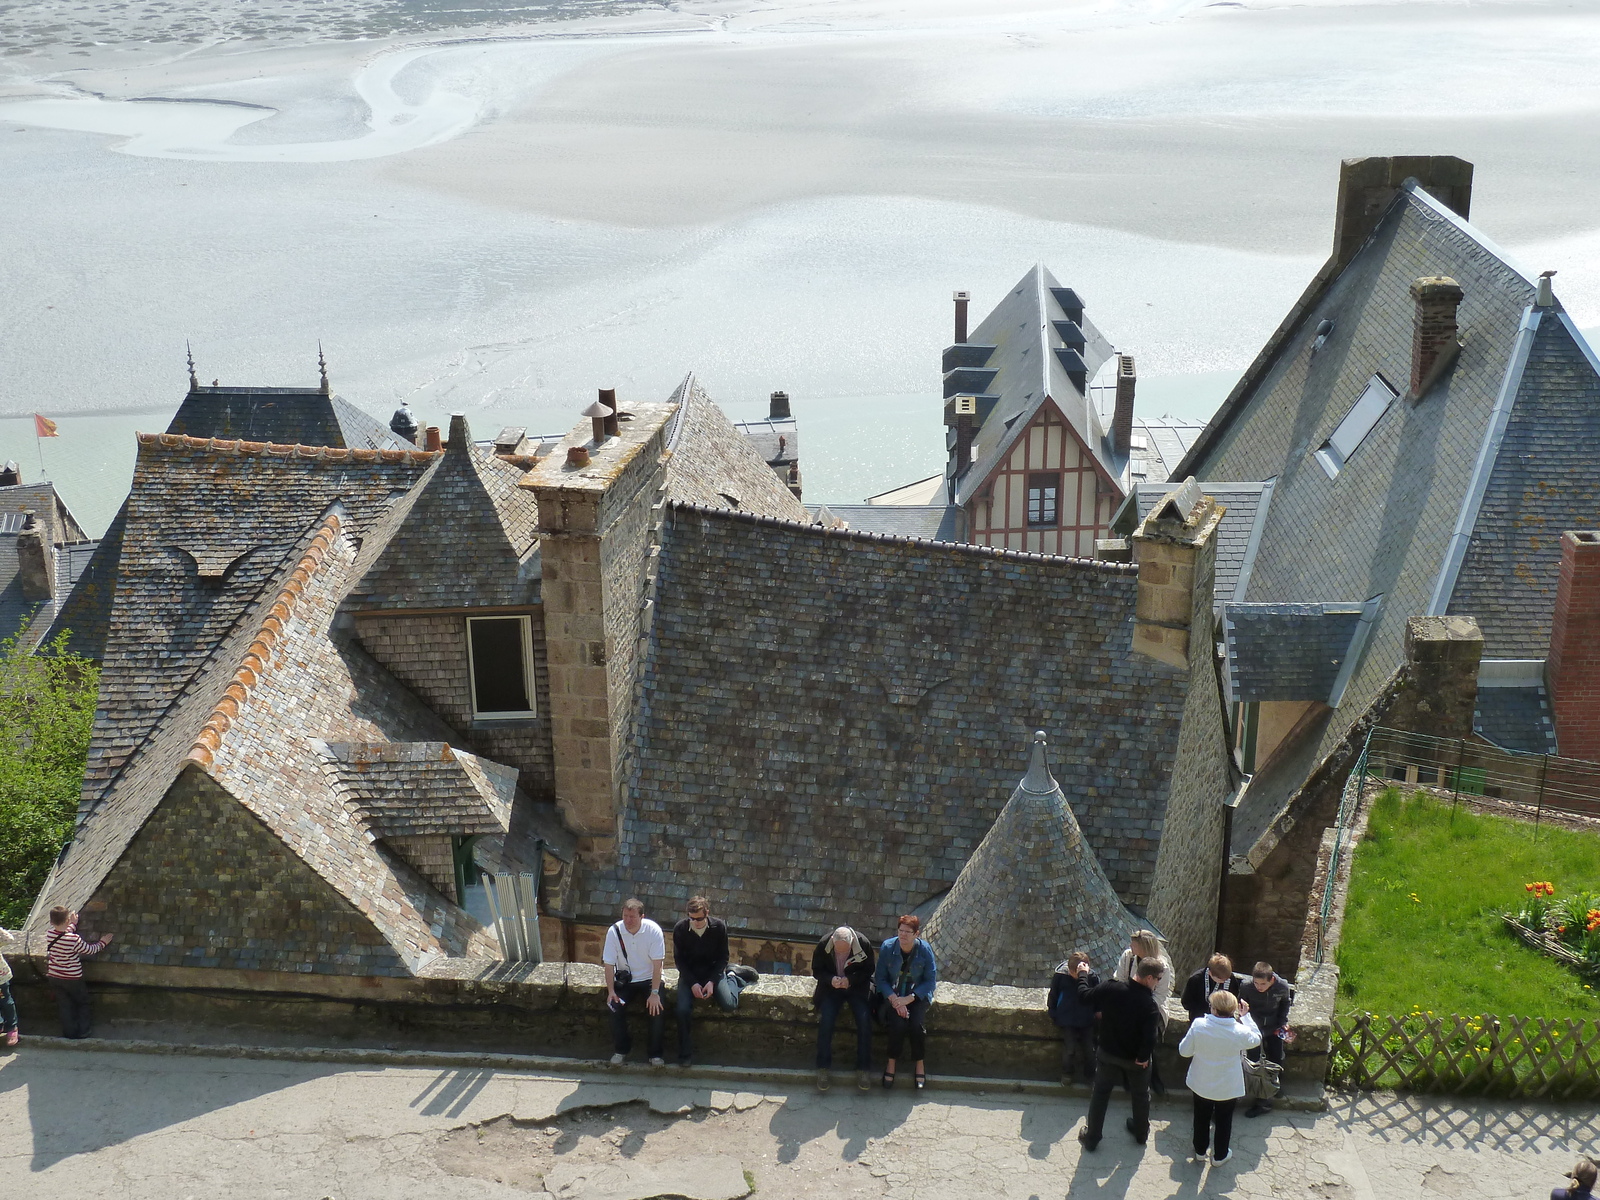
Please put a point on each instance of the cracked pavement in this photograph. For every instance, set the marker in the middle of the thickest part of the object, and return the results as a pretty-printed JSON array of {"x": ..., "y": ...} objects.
[{"x": 109, "y": 1124}]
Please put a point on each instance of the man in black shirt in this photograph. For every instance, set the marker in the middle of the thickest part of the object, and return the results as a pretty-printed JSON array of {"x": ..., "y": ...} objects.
[
  {"x": 700, "y": 952},
  {"x": 1129, "y": 1021}
]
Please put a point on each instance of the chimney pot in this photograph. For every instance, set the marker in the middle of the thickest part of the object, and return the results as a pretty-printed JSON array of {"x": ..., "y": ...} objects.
[
  {"x": 434, "y": 441},
  {"x": 577, "y": 456},
  {"x": 1547, "y": 294},
  {"x": 961, "y": 299},
  {"x": 1122, "y": 414},
  {"x": 778, "y": 407},
  {"x": 608, "y": 397},
  {"x": 1434, "y": 334}
]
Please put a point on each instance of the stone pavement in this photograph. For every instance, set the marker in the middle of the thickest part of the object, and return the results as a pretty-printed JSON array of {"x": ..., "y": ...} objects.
[{"x": 84, "y": 1124}]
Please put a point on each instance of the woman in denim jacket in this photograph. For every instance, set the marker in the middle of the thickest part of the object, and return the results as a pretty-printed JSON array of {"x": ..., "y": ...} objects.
[{"x": 905, "y": 979}]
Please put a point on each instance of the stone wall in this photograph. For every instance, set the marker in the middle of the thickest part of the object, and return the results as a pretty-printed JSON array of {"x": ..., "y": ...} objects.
[
  {"x": 204, "y": 884},
  {"x": 428, "y": 653},
  {"x": 558, "y": 1009}
]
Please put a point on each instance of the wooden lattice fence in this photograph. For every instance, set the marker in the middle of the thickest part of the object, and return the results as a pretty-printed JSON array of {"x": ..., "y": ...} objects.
[{"x": 1488, "y": 1056}]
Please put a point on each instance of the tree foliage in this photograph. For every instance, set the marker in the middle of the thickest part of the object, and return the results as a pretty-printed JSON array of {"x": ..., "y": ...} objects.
[{"x": 47, "y": 702}]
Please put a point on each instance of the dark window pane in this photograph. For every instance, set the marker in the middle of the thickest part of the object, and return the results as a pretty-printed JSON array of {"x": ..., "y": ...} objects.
[
  {"x": 1043, "y": 499},
  {"x": 499, "y": 683}
]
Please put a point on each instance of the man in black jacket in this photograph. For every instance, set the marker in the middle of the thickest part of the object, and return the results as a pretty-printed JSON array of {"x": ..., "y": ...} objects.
[
  {"x": 1217, "y": 975},
  {"x": 842, "y": 965},
  {"x": 1129, "y": 1021},
  {"x": 700, "y": 952},
  {"x": 1267, "y": 1000}
]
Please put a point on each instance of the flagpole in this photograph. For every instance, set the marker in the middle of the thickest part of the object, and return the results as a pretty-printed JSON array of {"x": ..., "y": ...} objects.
[{"x": 38, "y": 445}]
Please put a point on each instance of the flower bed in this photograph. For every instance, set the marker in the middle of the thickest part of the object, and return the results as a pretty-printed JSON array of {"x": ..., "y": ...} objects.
[{"x": 1567, "y": 930}]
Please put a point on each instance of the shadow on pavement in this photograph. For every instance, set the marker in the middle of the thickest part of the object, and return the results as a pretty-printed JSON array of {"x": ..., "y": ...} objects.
[{"x": 1458, "y": 1122}]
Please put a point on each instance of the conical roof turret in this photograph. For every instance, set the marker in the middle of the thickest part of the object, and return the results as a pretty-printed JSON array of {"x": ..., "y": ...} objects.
[{"x": 1030, "y": 894}]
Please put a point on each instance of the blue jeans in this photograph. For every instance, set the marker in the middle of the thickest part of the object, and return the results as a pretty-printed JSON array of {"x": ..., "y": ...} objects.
[
  {"x": 726, "y": 995},
  {"x": 831, "y": 1005},
  {"x": 8, "y": 1009}
]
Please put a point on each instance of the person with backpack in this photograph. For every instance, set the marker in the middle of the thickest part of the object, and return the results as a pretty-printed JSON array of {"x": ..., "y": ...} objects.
[
  {"x": 635, "y": 953},
  {"x": 1075, "y": 1018},
  {"x": 65, "y": 951},
  {"x": 843, "y": 964}
]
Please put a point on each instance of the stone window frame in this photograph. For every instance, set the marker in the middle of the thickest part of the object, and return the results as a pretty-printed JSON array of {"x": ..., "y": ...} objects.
[{"x": 530, "y": 681}]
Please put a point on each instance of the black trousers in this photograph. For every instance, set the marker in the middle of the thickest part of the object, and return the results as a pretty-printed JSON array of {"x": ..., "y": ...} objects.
[
  {"x": 635, "y": 996},
  {"x": 72, "y": 1001},
  {"x": 1077, "y": 1050},
  {"x": 899, "y": 1027},
  {"x": 1109, "y": 1072},
  {"x": 1209, "y": 1113}
]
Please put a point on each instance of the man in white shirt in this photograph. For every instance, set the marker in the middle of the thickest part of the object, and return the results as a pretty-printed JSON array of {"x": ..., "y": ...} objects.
[{"x": 635, "y": 951}]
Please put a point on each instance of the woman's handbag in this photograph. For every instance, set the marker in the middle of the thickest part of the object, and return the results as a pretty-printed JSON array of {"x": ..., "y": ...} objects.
[{"x": 1261, "y": 1078}]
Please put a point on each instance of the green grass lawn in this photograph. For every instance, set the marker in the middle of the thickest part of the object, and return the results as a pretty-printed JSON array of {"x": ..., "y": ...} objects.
[{"x": 1422, "y": 927}]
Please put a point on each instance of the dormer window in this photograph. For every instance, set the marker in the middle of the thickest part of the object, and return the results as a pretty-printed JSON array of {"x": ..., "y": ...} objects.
[
  {"x": 501, "y": 661},
  {"x": 1357, "y": 423}
]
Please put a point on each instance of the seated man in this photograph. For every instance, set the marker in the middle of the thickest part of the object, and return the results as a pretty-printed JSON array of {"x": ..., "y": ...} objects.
[
  {"x": 700, "y": 950},
  {"x": 635, "y": 951},
  {"x": 843, "y": 963}
]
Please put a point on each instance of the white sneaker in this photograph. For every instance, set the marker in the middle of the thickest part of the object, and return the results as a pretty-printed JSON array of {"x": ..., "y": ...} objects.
[
  {"x": 618, "y": 1059},
  {"x": 658, "y": 1062},
  {"x": 1216, "y": 1162}
]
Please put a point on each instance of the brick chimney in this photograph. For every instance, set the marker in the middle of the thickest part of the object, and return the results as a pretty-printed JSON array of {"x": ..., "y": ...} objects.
[
  {"x": 1435, "y": 338},
  {"x": 36, "y": 560},
  {"x": 1367, "y": 185},
  {"x": 961, "y": 299},
  {"x": 1572, "y": 670},
  {"x": 595, "y": 536},
  {"x": 1122, "y": 415},
  {"x": 778, "y": 407},
  {"x": 1176, "y": 552},
  {"x": 432, "y": 441}
]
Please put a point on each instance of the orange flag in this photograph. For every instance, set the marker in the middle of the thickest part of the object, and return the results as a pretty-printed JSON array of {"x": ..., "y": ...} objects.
[{"x": 44, "y": 427}]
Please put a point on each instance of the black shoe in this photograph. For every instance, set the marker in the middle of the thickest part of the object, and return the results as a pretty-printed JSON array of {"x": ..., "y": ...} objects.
[
  {"x": 1088, "y": 1142},
  {"x": 748, "y": 974},
  {"x": 1134, "y": 1130},
  {"x": 1256, "y": 1109}
]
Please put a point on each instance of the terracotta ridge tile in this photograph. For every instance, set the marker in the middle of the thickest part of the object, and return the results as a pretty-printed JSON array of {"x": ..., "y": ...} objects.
[
  {"x": 256, "y": 658},
  {"x": 182, "y": 441},
  {"x": 895, "y": 539}
]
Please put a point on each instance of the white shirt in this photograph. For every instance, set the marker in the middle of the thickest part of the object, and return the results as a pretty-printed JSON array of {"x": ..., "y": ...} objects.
[
  {"x": 639, "y": 952},
  {"x": 1216, "y": 1043}
]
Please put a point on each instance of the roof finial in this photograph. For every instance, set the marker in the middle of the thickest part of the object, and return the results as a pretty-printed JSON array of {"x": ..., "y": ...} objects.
[
  {"x": 194, "y": 384},
  {"x": 1547, "y": 296},
  {"x": 322, "y": 365},
  {"x": 1038, "y": 779}
]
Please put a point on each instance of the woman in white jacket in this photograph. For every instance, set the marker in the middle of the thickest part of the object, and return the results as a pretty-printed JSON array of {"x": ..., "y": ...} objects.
[{"x": 1217, "y": 1043}]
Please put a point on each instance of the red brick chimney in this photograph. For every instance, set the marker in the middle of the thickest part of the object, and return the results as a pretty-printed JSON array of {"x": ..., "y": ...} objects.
[
  {"x": 1572, "y": 671},
  {"x": 1435, "y": 339}
]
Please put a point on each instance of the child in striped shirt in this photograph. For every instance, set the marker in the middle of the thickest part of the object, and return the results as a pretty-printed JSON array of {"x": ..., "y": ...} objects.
[{"x": 64, "y": 955}]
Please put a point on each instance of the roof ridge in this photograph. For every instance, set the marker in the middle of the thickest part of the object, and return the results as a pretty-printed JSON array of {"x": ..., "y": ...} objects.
[
  {"x": 862, "y": 535},
  {"x": 255, "y": 660},
  {"x": 182, "y": 441}
]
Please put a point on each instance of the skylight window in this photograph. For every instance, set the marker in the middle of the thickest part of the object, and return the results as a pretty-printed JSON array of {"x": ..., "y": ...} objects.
[{"x": 1357, "y": 423}]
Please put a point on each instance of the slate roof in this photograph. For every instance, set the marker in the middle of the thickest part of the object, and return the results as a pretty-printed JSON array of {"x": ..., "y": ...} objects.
[
  {"x": 85, "y": 614},
  {"x": 935, "y": 522},
  {"x": 1516, "y": 718},
  {"x": 714, "y": 464},
  {"x": 403, "y": 789},
  {"x": 1032, "y": 339},
  {"x": 776, "y": 441},
  {"x": 1166, "y": 440},
  {"x": 59, "y": 526},
  {"x": 1386, "y": 525},
  {"x": 831, "y": 741},
  {"x": 1238, "y": 536},
  {"x": 1032, "y": 887},
  {"x": 307, "y": 416},
  {"x": 1288, "y": 651},
  {"x": 463, "y": 538}
]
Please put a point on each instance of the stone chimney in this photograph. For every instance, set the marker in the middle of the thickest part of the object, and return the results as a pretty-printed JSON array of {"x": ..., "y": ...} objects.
[
  {"x": 961, "y": 299},
  {"x": 1439, "y": 690},
  {"x": 595, "y": 535},
  {"x": 1435, "y": 339},
  {"x": 1367, "y": 185},
  {"x": 36, "y": 560},
  {"x": 778, "y": 407},
  {"x": 1176, "y": 552},
  {"x": 1122, "y": 415},
  {"x": 1572, "y": 670}
]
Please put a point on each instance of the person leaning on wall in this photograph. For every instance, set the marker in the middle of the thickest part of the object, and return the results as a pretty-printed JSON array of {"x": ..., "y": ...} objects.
[
  {"x": 906, "y": 978},
  {"x": 65, "y": 951}
]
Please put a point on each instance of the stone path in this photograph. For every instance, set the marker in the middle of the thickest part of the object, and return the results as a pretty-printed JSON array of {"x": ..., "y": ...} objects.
[{"x": 85, "y": 1124}]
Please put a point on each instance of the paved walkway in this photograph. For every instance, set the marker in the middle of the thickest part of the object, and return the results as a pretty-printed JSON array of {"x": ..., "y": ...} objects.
[{"x": 82, "y": 1124}]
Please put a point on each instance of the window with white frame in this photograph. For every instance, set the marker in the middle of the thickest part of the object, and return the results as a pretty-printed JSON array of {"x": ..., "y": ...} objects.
[
  {"x": 501, "y": 661},
  {"x": 1358, "y": 422}
]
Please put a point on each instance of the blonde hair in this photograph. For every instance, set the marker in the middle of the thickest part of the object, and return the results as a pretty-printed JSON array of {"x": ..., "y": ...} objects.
[
  {"x": 1147, "y": 944},
  {"x": 1224, "y": 1004}
]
